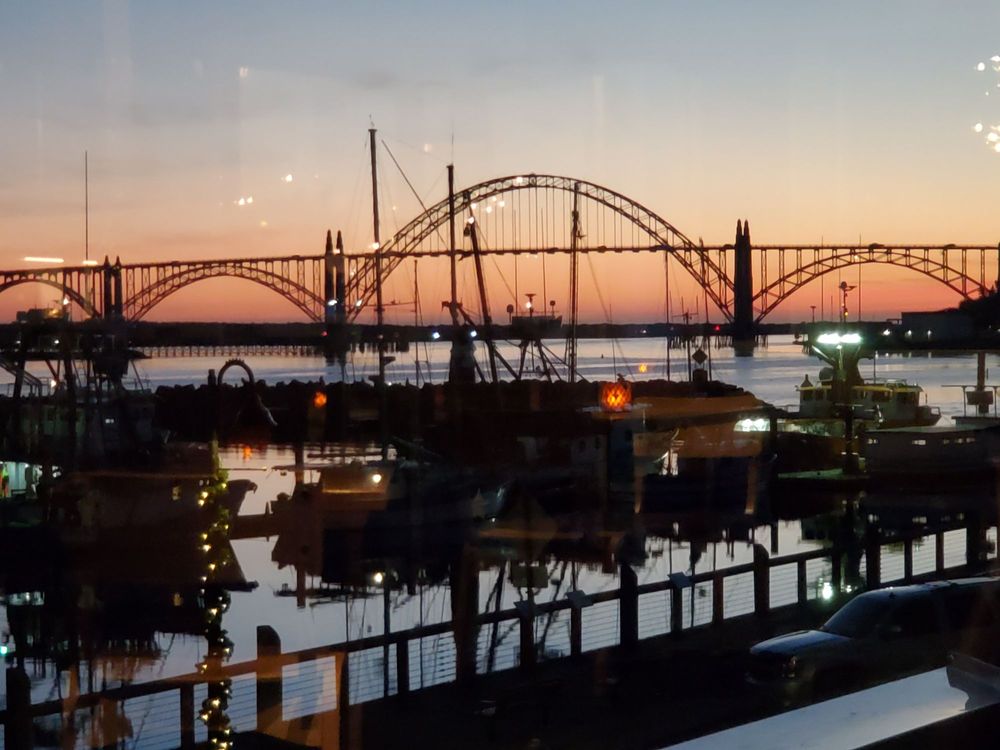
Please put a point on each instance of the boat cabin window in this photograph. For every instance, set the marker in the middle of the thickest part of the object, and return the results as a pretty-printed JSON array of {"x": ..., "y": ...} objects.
[
  {"x": 807, "y": 395},
  {"x": 881, "y": 396},
  {"x": 907, "y": 397}
]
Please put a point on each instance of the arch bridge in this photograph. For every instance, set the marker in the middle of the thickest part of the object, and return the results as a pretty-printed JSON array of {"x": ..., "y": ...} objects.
[{"x": 518, "y": 215}]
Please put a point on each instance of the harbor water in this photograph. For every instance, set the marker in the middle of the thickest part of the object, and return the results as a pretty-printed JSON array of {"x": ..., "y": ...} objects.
[{"x": 355, "y": 588}]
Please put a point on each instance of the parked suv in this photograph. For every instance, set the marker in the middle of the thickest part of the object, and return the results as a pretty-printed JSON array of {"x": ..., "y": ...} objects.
[{"x": 883, "y": 634}]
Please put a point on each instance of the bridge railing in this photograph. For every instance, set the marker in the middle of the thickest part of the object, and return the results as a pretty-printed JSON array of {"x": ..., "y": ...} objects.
[{"x": 277, "y": 688}]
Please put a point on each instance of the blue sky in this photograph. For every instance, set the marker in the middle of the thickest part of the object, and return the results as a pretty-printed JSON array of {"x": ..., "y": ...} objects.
[{"x": 815, "y": 120}]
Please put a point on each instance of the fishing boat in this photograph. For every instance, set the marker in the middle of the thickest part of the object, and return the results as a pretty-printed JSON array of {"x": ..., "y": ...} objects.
[
  {"x": 933, "y": 454},
  {"x": 113, "y": 504},
  {"x": 840, "y": 404},
  {"x": 840, "y": 389},
  {"x": 390, "y": 494},
  {"x": 710, "y": 467},
  {"x": 534, "y": 325},
  {"x": 886, "y": 403},
  {"x": 91, "y": 408}
]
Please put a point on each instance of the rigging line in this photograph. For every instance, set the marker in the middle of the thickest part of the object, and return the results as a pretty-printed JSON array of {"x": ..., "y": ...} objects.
[
  {"x": 353, "y": 205},
  {"x": 385, "y": 187},
  {"x": 484, "y": 241},
  {"x": 419, "y": 149},
  {"x": 413, "y": 190}
]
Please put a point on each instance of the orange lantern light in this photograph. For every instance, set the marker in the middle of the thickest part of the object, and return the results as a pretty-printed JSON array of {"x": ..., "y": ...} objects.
[
  {"x": 643, "y": 368},
  {"x": 319, "y": 399},
  {"x": 616, "y": 396}
]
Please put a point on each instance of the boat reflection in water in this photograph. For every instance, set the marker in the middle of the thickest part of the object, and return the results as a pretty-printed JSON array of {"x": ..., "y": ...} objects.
[
  {"x": 86, "y": 621},
  {"x": 112, "y": 506},
  {"x": 460, "y": 627}
]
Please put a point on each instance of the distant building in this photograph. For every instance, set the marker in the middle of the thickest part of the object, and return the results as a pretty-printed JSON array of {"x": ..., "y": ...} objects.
[{"x": 936, "y": 326}]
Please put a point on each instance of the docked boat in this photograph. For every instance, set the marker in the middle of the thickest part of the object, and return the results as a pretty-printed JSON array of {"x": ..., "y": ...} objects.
[
  {"x": 391, "y": 494},
  {"x": 878, "y": 403},
  {"x": 85, "y": 506},
  {"x": 710, "y": 467},
  {"x": 91, "y": 408},
  {"x": 840, "y": 404},
  {"x": 886, "y": 403},
  {"x": 927, "y": 453}
]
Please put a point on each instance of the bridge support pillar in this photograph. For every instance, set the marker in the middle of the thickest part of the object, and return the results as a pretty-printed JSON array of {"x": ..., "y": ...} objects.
[
  {"x": 107, "y": 301},
  {"x": 334, "y": 305},
  {"x": 743, "y": 323},
  {"x": 117, "y": 288}
]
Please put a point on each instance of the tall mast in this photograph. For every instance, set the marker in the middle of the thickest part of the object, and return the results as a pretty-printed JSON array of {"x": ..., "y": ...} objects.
[
  {"x": 416, "y": 319},
  {"x": 379, "y": 312},
  {"x": 452, "y": 249},
  {"x": 86, "y": 207},
  {"x": 472, "y": 230},
  {"x": 574, "y": 286}
]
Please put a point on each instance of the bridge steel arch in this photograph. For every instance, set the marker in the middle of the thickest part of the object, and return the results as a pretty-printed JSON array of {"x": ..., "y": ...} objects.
[
  {"x": 57, "y": 280},
  {"x": 918, "y": 259},
  {"x": 695, "y": 259},
  {"x": 296, "y": 278}
]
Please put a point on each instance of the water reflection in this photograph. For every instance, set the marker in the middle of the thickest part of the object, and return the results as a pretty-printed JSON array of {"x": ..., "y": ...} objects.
[
  {"x": 214, "y": 602},
  {"x": 481, "y": 599}
]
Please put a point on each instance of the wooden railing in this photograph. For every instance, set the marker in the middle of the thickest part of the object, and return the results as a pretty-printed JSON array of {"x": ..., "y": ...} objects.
[{"x": 178, "y": 723}]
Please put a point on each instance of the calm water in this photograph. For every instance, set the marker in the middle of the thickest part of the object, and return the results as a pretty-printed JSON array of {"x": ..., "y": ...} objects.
[
  {"x": 771, "y": 374},
  {"x": 398, "y": 584}
]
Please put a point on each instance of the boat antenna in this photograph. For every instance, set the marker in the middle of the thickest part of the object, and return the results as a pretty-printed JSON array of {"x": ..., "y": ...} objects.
[{"x": 86, "y": 206}]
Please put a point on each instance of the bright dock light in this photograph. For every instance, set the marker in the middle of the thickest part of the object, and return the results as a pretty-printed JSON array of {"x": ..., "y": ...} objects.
[
  {"x": 90, "y": 262},
  {"x": 42, "y": 259},
  {"x": 839, "y": 338}
]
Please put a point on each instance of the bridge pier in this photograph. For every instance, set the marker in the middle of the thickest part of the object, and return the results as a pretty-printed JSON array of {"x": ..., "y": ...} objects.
[
  {"x": 743, "y": 322},
  {"x": 335, "y": 346}
]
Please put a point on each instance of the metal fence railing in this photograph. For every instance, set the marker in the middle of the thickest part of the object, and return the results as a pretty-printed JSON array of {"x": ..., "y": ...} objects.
[{"x": 286, "y": 687}]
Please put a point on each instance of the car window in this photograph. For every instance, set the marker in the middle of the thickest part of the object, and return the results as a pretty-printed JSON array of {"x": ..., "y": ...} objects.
[
  {"x": 969, "y": 608},
  {"x": 859, "y": 617},
  {"x": 915, "y": 618}
]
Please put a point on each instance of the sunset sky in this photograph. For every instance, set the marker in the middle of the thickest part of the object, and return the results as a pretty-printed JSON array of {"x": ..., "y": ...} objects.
[{"x": 833, "y": 122}]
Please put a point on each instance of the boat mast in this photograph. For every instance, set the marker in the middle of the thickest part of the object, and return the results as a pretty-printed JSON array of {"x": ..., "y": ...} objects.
[
  {"x": 472, "y": 229},
  {"x": 452, "y": 250},
  {"x": 574, "y": 282},
  {"x": 86, "y": 207},
  {"x": 416, "y": 319},
  {"x": 379, "y": 312}
]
